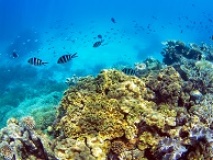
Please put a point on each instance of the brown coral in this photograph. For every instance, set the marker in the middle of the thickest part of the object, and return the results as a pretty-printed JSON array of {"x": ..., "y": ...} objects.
[
  {"x": 147, "y": 140},
  {"x": 166, "y": 85},
  {"x": 28, "y": 122},
  {"x": 117, "y": 147},
  {"x": 6, "y": 151}
]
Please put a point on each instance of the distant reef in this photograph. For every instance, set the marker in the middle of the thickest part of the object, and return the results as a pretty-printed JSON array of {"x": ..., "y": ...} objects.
[{"x": 163, "y": 112}]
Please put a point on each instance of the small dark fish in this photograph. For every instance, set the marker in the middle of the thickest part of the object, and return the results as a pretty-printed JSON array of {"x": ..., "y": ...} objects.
[
  {"x": 36, "y": 61},
  {"x": 100, "y": 36},
  {"x": 212, "y": 37},
  {"x": 97, "y": 44},
  {"x": 66, "y": 58},
  {"x": 14, "y": 55},
  {"x": 113, "y": 20},
  {"x": 129, "y": 71}
]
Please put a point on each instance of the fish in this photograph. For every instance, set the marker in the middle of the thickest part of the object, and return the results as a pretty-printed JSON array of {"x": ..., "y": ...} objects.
[
  {"x": 66, "y": 58},
  {"x": 129, "y": 71},
  {"x": 14, "y": 55},
  {"x": 100, "y": 36},
  {"x": 97, "y": 44},
  {"x": 113, "y": 20},
  {"x": 36, "y": 61}
]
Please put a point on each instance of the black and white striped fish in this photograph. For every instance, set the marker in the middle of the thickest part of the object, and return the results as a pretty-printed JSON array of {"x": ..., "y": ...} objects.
[
  {"x": 36, "y": 61},
  {"x": 66, "y": 58},
  {"x": 129, "y": 71}
]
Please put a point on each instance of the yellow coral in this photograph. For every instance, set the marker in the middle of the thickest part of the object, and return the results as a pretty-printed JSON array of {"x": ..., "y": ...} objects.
[
  {"x": 167, "y": 110},
  {"x": 156, "y": 119},
  {"x": 105, "y": 108},
  {"x": 147, "y": 140},
  {"x": 100, "y": 113}
]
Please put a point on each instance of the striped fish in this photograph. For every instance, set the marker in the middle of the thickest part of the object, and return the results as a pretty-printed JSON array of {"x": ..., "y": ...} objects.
[
  {"x": 66, "y": 58},
  {"x": 36, "y": 61},
  {"x": 129, "y": 71}
]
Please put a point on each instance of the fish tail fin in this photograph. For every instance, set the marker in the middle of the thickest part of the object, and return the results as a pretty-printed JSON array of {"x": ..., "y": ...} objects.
[{"x": 74, "y": 55}]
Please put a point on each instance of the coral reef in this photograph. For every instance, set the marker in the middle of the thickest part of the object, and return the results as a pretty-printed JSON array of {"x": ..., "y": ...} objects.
[
  {"x": 19, "y": 140},
  {"x": 165, "y": 112},
  {"x": 204, "y": 110},
  {"x": 141, "y": 69},
  {"x": 109, "y": 107},
  {"x": 197, "y": 146},
  {"x": 152, "y": 64},
  {"x": 97, "y": 108},
  {"x": 171, "y": 149},
  {"x": 156, "y": 116},
  {"x": 176, "y": 50},
  {"x": 44, "y": 118},
  {"x": 6, "y": 151},
  {"x": 26, "y": 91},
  {"x": 166, "y": 85}
]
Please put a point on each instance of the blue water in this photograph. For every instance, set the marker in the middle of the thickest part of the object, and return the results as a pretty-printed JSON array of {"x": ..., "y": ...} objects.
[{"x": 51, "y": 28}]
